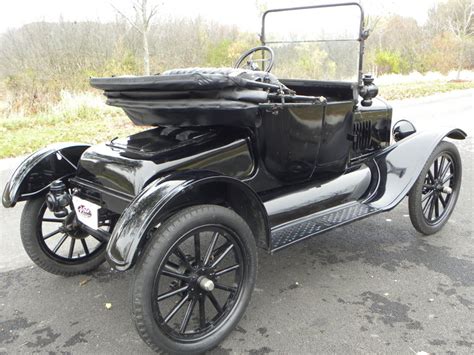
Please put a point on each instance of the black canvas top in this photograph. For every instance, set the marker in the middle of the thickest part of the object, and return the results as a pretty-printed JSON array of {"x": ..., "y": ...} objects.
[
  {"x": 193, "y": 96},
  {"x": 186, "y": 79}
]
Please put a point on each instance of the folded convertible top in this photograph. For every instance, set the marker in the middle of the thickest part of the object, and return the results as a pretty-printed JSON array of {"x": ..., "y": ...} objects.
[
  {"x": 189, "y": 79},
  {"x": 193, "y": 96}
]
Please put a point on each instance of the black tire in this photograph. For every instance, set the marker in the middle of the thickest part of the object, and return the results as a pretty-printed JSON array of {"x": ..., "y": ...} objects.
[
  {"x": 151, "y": 273},
  {"x": 429, "y": 205},
  {"x": 39, "y": 248}
]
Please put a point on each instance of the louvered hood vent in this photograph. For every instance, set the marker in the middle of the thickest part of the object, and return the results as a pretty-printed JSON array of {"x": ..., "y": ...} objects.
[{"x": 362, "y": 133}]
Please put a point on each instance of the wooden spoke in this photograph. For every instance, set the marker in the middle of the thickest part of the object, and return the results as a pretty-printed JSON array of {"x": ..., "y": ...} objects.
[
  {"x": 176, "y": 308},
  {"x": 441, "y": 165},
  {"x": 428, "y": 204},
  {"x": 428, "y": 195},
  {"x": 430, "y": 176},
  {"x": 202, "y": 311},
  {"x": 445, "y": 170},
  {"x": 197, "y": 249},
  {"x": 71, "y": 248},
  {"x": 436, "y": 207},
  {"x": 219, "y": 250},
  {"x": 53, "y": 220},
  {"x": 53, "y": 233},
  {"x": 442, "y": 200},
  {"x": 168, "y": 271},
  {"x": 447, "y": 178},
  {"x": 84, "y": 246},
  {"x": 222, "y": 256},
  {"x": 224, "y": 287},
  {"x": 214, "y": 302},
  {"x": 178, "y": 252},
  {"x": 61, "y": 242},
  {"x": 169, "y": 294},
  {"x": 211, "y": 248},
  {"x": 175, "y": 275},
  {"x": 98, "y": 239},
  {"x": 430, "y": 213},
  {"x": 227, "y": 269},
  {"x": 187, "y": 316}
]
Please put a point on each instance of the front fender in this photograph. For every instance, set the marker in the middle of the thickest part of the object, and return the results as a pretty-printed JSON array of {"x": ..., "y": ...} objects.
[
  {"x": 399, "y": 166},
  {"x": 34, "y": 174},
  {"x": 158, "y": 199}
]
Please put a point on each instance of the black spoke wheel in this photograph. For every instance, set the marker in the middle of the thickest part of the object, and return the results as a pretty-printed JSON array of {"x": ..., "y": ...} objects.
[
  {"x": 58, "y": 245},
  {"x": 434, "y": 195},
  {"x": 195, "y": 279}
]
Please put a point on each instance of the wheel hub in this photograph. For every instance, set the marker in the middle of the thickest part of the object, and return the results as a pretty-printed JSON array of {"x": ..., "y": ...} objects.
[
  {"x": 71, "y": 227},
  {"x": 202, "y": 279},
  {"x": 206, "y": 284}
]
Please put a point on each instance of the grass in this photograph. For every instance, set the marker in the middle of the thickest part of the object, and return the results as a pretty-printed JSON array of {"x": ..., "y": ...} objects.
[
  {"x": 86, "y": 119},
  {"x": 420, "y": 89},
  {"x": 21, "y": 135}
]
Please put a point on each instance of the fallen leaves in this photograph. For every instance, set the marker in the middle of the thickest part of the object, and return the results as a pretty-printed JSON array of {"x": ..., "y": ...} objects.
[{"x": 84, "y": 281}]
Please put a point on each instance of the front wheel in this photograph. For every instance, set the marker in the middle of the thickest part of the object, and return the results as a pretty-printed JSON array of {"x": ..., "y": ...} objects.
[
  {"x": 433, "y": 197},
  {"x": 194, "y": 280}
]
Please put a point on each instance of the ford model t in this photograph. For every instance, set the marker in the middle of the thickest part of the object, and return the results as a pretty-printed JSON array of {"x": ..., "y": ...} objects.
[{"x": 238, "y": 159}]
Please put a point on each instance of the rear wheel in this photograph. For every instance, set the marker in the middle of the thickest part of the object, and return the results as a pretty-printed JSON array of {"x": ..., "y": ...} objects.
[
  {"x": 58, "y": 245},
  {"x": 434, "y": 195},
  {"x": 195, "y": 279}
]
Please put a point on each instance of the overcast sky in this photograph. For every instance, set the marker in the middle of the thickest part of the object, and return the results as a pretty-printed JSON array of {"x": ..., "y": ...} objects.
[{"x": 15, "y": 13}]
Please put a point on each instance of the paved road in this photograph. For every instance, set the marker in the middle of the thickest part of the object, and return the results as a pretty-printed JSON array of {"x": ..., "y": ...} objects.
[{"x": 374, "y": 286}]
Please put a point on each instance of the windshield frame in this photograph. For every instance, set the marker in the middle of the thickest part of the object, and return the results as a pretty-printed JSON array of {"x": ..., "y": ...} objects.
[{"x": 363, "y": 34}]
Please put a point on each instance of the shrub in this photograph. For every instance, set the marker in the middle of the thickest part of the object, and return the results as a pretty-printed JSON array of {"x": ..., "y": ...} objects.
[{"x": 390, "y": 62}]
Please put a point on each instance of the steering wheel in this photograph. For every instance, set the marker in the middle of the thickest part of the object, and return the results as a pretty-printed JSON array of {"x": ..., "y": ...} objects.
[{"x": 246, "y": 60}]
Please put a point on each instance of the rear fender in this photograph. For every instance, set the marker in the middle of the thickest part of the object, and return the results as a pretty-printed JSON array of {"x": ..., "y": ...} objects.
[
  {"x": 397, "y": 168},
  {"x": 34, "y": 174},
  {"x": 165, "y": 196}
]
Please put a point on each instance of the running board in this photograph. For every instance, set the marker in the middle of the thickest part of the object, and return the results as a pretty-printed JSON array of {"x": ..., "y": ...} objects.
[{"x": 303, "y": 228}]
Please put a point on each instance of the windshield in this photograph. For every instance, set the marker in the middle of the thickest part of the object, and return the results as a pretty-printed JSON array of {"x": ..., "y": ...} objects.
[{"x": 320, "y": 42}]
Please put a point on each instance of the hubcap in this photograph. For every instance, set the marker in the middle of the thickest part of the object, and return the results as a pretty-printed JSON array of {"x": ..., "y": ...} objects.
[
  {"x": 447, "y": 190},
  {"x": 206, "y": 284}
]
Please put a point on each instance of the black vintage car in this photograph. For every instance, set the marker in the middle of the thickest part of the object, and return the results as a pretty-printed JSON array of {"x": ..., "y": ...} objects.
[{"x": 237, "y": 158}]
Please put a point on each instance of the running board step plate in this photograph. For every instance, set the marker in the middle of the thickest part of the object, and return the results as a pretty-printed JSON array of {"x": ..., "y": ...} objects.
[{"x": 303, "y": 228}]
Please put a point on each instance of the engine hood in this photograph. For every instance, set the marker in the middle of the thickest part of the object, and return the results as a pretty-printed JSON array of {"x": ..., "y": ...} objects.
[{"x": 127, "y": 165}]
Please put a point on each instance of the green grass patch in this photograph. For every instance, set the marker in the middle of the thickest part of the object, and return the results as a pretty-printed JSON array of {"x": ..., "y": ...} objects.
[
  {"x": 21, "y": 135},
  {"x": 413, "y": 90}
]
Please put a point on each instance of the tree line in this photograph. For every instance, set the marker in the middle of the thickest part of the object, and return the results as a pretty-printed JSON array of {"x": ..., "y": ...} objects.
[{"x": 40, "y": 59}]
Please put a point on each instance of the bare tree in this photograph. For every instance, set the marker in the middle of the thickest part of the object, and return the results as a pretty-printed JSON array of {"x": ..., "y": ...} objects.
[
  {"x": 141, "y": 23},
  {"x": 456, "y": 16},
  {"x": 460, "y": 23}
]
